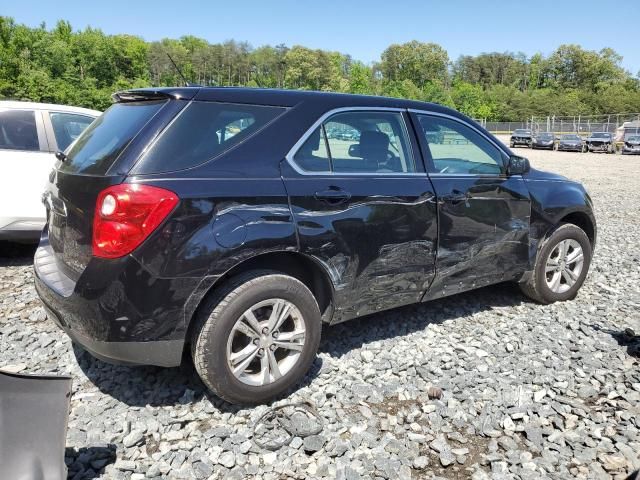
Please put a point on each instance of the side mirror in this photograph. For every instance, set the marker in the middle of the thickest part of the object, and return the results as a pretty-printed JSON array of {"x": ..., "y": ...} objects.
[
  {"x": 354, "y": 150},
  {"x": 518, "y": 165}
]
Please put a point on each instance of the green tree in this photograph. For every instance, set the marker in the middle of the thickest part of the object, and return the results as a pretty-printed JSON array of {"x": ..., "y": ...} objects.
[{"x": 415, "y": 61}]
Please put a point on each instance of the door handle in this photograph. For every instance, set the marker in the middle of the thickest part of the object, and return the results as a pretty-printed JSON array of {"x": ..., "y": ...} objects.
[
  {"x": 333, "y": 196},
  {"x": 456, "y": 197}
]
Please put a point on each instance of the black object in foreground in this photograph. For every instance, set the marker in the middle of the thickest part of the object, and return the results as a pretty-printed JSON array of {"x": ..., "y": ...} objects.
[{"x": 33, "y": 426}]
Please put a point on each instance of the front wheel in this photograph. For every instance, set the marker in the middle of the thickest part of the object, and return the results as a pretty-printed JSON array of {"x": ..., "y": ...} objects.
[
  {"x": 257, "y": 337},
  {"x": 561, "y": 266}
]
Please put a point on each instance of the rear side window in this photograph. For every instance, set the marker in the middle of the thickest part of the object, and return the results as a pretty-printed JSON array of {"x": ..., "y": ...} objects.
[
  {"x": 18, "y": 130},
  {"x": 67, "y": 127},
  {"x": 358, "y": 142},
  {"x": 99, "y": 146},
  {"x": 202, "y": 131}
]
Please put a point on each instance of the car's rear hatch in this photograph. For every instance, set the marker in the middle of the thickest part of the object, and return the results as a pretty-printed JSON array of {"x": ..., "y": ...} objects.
[{"x": 99, "y": 158}]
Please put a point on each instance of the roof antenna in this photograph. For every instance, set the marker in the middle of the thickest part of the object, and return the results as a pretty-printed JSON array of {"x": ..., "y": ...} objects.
[{"x": 186, "y": 84}]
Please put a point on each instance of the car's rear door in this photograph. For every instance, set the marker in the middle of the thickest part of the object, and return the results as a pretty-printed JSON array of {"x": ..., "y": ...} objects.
[
  {"x": 364, "y": 208},
  {"x": 25, "y": 162},
  {"x": 483, "y": 212}
]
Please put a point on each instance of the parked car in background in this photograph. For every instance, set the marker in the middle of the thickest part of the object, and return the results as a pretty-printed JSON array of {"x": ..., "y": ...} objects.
[
  {"x": 570, "y": 143},
  {"x": 631, "y": 145},
  {"x": 521, "y": 136},
  {"x": 543, "y": 140},
  {"x": 600, "y": 142},
  {"x": 30, "y": 135},
  {"x": 165, "y": 243}
]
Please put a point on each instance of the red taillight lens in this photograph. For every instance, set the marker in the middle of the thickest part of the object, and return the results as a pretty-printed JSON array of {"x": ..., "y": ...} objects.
[{"x": 126, "y": 215}]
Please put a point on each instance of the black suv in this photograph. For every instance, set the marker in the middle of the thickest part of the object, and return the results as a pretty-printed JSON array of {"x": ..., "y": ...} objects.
[
  {"x": 521, "y": 136},
  {"x": 226, "y": 221}
]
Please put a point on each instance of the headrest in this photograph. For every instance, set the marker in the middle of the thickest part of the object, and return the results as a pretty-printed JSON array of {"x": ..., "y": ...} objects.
[{"x": 373, "y": 143}]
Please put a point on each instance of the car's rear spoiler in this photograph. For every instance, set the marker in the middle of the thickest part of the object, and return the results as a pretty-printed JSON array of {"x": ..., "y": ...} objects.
[
  {"x": 146, "y": 94},
  {"x": 33, "y": 426}
]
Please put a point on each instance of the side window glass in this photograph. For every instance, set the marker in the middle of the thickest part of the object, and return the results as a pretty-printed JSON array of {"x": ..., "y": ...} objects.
[
  {"x": 313, "y": 155},
  {"x": 208, "y": 129},
  {"x": 18, "y": 130},
  {"x": 369, "y": 142},
  {"x": 67, "y": 127},
  {"x": 456, "y": 148}
]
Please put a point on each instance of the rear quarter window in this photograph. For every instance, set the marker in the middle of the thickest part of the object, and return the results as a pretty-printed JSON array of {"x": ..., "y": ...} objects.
[{"x": 203, "y": 131}]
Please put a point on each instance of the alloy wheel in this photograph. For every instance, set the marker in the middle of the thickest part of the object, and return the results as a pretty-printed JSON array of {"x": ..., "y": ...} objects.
[
  {"x": 564, "y": 265},
  {"x": 266, "y": 342}
]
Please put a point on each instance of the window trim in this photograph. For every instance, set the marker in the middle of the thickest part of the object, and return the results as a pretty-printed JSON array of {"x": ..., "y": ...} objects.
[
  {"x": 320, "y": 122},
  {"x": 427, "y": 153}
]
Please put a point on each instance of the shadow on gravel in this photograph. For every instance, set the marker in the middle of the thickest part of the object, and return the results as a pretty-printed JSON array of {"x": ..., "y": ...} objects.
[
  {"x": 16, "y": 254},
  {"x": 89, "y": 461},
  {"x": 628, "y": 339},
  {"x": 156, "y": 386},
  {"x": 340, "y": 339}
]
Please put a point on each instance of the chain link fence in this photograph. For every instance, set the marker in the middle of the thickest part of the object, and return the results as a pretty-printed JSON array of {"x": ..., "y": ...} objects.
[{"x": 581, "y": 124}]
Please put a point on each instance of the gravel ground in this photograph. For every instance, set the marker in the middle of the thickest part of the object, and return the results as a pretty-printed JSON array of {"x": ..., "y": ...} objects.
[{"x": 481, "y": 385}]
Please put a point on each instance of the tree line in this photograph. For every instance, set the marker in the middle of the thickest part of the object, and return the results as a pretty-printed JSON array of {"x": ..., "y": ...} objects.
[{"x": 84, "y": 68}]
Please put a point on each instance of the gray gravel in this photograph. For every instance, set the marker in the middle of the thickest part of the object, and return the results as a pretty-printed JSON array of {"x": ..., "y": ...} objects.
[{"x": 528, "y": 391}]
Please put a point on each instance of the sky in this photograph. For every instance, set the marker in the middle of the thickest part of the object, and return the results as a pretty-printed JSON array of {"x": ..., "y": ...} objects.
[{"x": 362, "y": 29}]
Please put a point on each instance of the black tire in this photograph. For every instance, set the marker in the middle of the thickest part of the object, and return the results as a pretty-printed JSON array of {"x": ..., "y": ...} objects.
[
  {"x": 217, "y": 317},
  {"x": 536, "y": 286},
  {"x": 513, "y": 145}
]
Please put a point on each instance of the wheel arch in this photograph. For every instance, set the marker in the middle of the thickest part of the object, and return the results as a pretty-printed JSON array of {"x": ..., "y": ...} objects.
[
  {"x": 582, "y": 220},
  {"x": 294, "y": 264}
]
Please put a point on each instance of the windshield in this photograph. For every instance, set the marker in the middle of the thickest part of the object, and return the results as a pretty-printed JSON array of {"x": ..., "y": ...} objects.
[
  {"x": 98, "y": 147},
  {"x": 522, "y": 132},
  {"x": 545, "y": 136},
  {"x": 633, "y": 138},
  {"x": 600, "y": 135},
  {"x": 571, "y": 137}
]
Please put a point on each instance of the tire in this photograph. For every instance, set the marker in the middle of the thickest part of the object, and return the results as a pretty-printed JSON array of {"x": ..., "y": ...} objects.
[
  {"x": 214, "y": 333},
  {"x": 513, "y": 145},
  {"x": 536, "y": 287}
]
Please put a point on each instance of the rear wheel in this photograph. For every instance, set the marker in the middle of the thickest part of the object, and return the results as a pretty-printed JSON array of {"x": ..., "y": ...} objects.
[
  {"x": 257, "y": 337},
  {"x": 561, "y": 266}
]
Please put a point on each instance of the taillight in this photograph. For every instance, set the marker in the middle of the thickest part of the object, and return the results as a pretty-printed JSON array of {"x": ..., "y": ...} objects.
[{"x": 126, "y": 215}]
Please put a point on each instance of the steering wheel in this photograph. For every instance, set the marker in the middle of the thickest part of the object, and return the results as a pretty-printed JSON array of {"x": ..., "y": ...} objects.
[{"x": 444, "y": 170}]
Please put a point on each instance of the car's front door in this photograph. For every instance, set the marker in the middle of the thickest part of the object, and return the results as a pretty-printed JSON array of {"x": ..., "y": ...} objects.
[
  {"x": 364, "y": 209},
  {"x": 483, "y": 213}
]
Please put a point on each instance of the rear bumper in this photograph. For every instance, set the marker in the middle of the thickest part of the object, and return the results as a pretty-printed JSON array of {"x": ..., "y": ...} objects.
[
  {"x": 115, "y": 310},
  {"x": 162, "y": 353}
]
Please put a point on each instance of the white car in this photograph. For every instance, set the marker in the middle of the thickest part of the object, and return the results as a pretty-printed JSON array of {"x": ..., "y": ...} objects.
[{"x": 30, "y": 136}]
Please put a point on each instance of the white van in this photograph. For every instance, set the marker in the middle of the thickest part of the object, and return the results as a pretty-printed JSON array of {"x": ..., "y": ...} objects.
[{"x": 30, "y": 135}]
